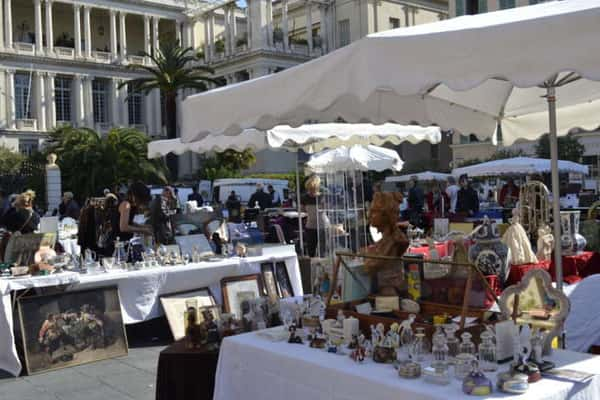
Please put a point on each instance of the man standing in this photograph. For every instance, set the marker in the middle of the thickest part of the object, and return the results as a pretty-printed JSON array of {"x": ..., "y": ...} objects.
[
  {"x": 509, "y": 194},
  {"x": 467, "y": 202},
  {"x": 452, "y": 192},
  {"x": 68, "y": 207},
  {"x": 275, "y": 199},
  {"x": 416, "y": 200},
  {"x": 195, "y": 196},
  {"x": 260, "y": 197},
  {"x": 161, "y": 211}
]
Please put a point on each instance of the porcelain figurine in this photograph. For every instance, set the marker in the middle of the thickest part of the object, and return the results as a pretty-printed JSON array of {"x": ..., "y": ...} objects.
[
  {"x": 545, "y": 243},
  {"x": 358, "y": 354},
  {"x": 340, "y": 319},
  {"x": 518, "y": 243},
  {"x": 353, "y": 342},
  {"x": 488, "y": 253},
  {"x": 476, "y": 383},
  {"x": 522, "y": 349}
]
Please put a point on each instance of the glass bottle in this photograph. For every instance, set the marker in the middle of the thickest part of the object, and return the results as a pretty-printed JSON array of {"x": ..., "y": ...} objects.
[
  {"x": 426, "y": 341},
  {"x": 418, "y": 349},
  {"x": 439, "y": 348},
  {"x": 487, "y": 353},
  {"x": 451, "y": 340},
  {"x": 467, "y": 346},
  {"x": 120, "y": 254}
]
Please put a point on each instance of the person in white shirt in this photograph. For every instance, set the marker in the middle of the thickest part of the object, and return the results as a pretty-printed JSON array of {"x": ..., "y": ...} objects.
[{"x": 452, "y": 192}]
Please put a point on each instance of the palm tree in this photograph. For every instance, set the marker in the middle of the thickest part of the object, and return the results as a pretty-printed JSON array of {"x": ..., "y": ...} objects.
[
  {"x": 172, "y": 69},
  {"x": 91, "y": 162}
]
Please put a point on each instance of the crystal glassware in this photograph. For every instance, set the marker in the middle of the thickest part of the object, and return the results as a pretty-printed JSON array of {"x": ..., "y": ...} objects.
[
  {"x": 466, "y": 345},
  {"x": 439, "y": 348},
  {"x": 463, "y": 365},
  {"x": 417, "y": 349},
  {"x": 487, "y": 353},
  {"x": 108, "y": 263},
  {"x": 451, "y": 340}
]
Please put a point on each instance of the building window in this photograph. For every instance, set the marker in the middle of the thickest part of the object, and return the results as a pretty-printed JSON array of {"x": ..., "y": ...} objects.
[
  {"x": 344, "y": 32},
  {"x": 394, "y": 23},
  {"x": 435, "y": 151},
  {"x": 28, "y": 146},
  {"x": 504, "y": 4},
  {"x": 135, "y": 106},
  {"x": 460, "y": 7},
  {"x": 100, "y": 100},
  {"x": 592, "y": 163},
  {"x": 23, "y": 96},
  {"x": 62, "y": 99}
]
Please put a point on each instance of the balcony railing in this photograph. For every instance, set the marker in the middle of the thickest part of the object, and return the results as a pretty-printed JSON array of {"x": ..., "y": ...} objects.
[
  {"x": 64, "y": 52},
  {"x": 24, "y": 48},
  {"x": 102, "y": 56},
  {"x": 26, "y": 124}
]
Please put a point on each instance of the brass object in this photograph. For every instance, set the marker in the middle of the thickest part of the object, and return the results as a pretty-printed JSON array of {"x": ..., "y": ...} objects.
[{"x": 534, "y": 207}]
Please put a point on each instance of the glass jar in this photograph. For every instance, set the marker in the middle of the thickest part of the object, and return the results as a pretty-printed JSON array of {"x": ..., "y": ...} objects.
[
  {"x": 451, "y": 340},
  {"x": 466, "y": 345},
  {"x": 439, "y": 375},
  {"x": 487, "y": 353},
  {"x": 418, "y": 348},
  {"x": 463, "y": 365},
  {"x": 439, "y": 349}
]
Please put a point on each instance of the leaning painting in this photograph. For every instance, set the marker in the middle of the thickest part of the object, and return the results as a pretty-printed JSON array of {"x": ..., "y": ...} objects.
[{"x": 71, "y": 328}]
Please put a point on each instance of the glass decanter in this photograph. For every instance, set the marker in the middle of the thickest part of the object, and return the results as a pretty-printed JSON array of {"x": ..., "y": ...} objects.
[
  {"x": 439, "y": 348},
  {"x": 451, "y": 340},
  {"x": 487, "y": 353},
  {"x": 467, "y": 346},
  {"x": 418, "y": 348},
  {"x": 120, "y": 254}
]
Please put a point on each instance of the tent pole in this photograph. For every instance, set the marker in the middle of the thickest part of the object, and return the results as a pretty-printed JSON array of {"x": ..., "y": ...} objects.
[
  {"x": 551, "y": 98},
  {"x": 298, "y": 205}
]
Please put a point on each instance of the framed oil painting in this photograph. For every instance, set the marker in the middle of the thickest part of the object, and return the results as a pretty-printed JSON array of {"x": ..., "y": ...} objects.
[
  {"x": 239, "y": 289},
  {"x": 175, "y": 306},
  {"x": 71, "y": 328}
]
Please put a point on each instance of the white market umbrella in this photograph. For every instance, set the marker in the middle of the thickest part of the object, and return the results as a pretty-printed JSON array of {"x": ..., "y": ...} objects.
[
  {"x": 421, "y": 176},
  {"x": 355, "y": 158},
  {"x": 519, "y": 166},
  {"x": 469, "y": 73},
  {"x": 310, "y": 138}
]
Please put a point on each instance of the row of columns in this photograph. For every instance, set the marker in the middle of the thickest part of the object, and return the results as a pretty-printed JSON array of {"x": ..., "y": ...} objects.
[
  {"x": 44, "y": 104},
  {"x": 118, "y": 42}
]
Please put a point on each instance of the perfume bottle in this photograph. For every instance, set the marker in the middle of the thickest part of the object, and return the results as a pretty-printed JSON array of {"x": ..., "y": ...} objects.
[
  {"x": 439, "y": 349},
  {"x": 487, "y": 353},
  {"x": 419, "y": 346},
  {"x": 451, "y": 340},
  {"x": 467, "y": 346}
]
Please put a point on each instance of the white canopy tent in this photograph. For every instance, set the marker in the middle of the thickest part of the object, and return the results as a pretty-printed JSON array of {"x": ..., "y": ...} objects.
[
  {"x": 469, "y": 73},
  {"x": 355, "y": 158},
  {"x": 421, "y": 176},
  {"x": 519, "y": 166},
  {"x": 310, "y": 138}
]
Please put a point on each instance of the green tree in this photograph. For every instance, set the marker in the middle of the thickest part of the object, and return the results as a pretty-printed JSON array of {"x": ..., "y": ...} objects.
[
  {"x": 173, "y": 68},
  {"x": 226, "y": 164},
  {"x": 569, "y": 148},
  {"x": 10, "y": 161},
  {"x": 91, "y": 162}
]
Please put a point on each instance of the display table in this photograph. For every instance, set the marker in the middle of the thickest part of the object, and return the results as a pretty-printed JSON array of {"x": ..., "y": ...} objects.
[
  {"x": 253, "y": 368},
  {"x": 185, "y": 374},
  {"x": 517, "y": 272},
  {"x": 577, "y": 266},
  {"x": 140, "y": 291}
]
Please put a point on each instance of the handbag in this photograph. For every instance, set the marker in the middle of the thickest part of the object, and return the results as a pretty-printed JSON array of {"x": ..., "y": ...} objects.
[{"x": 590, "y": 229}]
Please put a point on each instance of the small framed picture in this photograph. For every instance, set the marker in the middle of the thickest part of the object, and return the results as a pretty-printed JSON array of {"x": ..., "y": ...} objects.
[
  {"x": 414, "y": 275},
  {"x": 239, "y": 289},
  {"x": 270, "y": 282},
  {"x": 175, "y": 305},
  {"x": 283, "y": 280}
]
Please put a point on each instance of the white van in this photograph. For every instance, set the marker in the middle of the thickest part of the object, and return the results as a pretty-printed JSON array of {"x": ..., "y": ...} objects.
[{"x": 244, "y": 187}]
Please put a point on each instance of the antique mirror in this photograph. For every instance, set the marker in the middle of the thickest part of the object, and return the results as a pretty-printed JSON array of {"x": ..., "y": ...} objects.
[{"x": 537, "y": 303}]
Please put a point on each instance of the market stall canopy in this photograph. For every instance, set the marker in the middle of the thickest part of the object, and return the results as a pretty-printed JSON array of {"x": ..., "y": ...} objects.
[
  {"x": 355, "y": 158},
  {"x": 421, "y": 176},
  {"x": 310, "y": 138},
  {"x": 519, "y": 166},
  {"x": 466, "y": 73}
]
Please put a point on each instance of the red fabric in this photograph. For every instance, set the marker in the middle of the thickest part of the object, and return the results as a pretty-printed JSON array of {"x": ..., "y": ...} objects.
[
  {"x": 574, "y": 266},
  {"x": 505, "y": 191},
  {"x": 442, "y": 249},
  {"x": 517, "y": 272}
]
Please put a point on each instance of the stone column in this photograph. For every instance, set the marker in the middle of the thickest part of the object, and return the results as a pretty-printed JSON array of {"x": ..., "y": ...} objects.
[
  {"x": 11, "y": 111},
  {"x": 53, "y": 184},
  {"x": 50, "y": 101},
  {"x": 269, "y": 11},
  {"x": 114, "y": 47},
  {"x": 309, "y": 27},
  {"x": 77, "y": 29},
  {"x": 206, "y": 40},
  {"x": 2, "y": 23},
  {"x": 147, "y": 35},
  {"x": 211, "y": 35},
  {"x": 284, "y": 25},
  {"x": 123, "y": 34},
  {"x": 115, "y": 103},
  {"x": 124, "y": 105},
  {"x": 227, "y": 31},
  {"x": 49, "y": 28},
  {"x": 39, "y": 42},
  {"x": 233, "y": 29},
  {"x": 8, "y": 33},
  {"x": 157, "y": 107},
  {"x": 178, "y": 35},
  {"x": 88, "y": 103},
  {"x": 87, "y": 31},
  {"x": 323, "y": 27},
  {"x": 155, "y": 43},
  {"x": 258, "y": 12},
  {"x": 248, "y": 26},
  {"x": 40, "y": 100},
  {"x": 149, "y": 113},
  {"x": 3, "y": 106},
  {"x": 78, "y": 107}
]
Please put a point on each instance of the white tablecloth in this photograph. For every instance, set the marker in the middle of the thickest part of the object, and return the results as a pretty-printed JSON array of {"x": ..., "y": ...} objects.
[
  {"x": 253, "y": 368},
  {"x": 139, "y": 291}
]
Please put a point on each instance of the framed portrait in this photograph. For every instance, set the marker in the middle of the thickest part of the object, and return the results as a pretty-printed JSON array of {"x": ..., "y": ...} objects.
[
  {"x": 239, "y": 289},
  {"x": 175, "y": 305},
  {"x": 71, "y": 328},
  {"x": 269, "y": 280},
  {"x": 283, "y": 280}
]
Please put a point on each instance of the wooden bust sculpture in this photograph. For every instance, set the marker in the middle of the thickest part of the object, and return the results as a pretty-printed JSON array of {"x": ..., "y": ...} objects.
[{"x": 383, "y": 215}]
